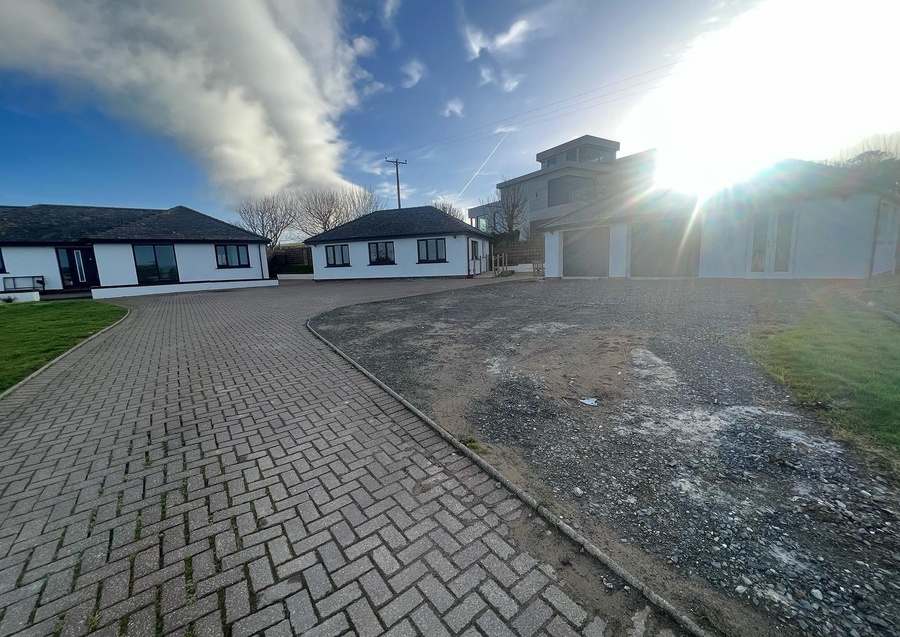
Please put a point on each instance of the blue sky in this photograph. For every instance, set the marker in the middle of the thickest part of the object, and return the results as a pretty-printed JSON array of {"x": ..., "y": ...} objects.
[{"x": 163, "y": 103}]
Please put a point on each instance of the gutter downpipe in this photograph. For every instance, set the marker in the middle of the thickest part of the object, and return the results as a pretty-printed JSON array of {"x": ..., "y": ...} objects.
[{"x": 875, "y": 238}]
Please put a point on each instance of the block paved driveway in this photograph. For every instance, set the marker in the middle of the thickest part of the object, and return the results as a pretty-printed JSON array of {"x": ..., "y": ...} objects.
[{"x": 209, "y": 468}]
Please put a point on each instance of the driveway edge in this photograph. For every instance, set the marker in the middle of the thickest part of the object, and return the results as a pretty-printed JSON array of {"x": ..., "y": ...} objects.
[
  {"x": 683, "y": 620},
  {"x": 41, "y": 369}
]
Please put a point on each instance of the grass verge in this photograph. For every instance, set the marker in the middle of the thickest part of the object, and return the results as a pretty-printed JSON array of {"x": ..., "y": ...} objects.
[
  {"x": 845, "y": 360},
  {"x": 36, "y": 333}
]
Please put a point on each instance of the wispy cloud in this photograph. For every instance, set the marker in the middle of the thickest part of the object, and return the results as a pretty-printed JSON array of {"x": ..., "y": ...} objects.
[
  {"x": 505, "y": 42},
  {"x": 388, "y": 20},
  {"x": 254, "y": 91},
  {"x": 487, "y": 76},
  {"x": 453, "y": 107},
  {"x": 414, "y": 70},
  {"x": 364, "y": 46},
  {"x": 511, "y": 41},
  {"x": 508, "y": 82}
]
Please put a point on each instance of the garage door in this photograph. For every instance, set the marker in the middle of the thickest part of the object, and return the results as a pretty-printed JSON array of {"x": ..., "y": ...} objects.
[
  {"x": 586, "y": 252},
  {"x": 665, "y": 248}
]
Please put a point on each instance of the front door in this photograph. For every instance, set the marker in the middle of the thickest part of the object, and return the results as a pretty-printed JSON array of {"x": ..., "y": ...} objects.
[
  {"x": 772, "y": 243},
  {"x": 78, "y": 268}
]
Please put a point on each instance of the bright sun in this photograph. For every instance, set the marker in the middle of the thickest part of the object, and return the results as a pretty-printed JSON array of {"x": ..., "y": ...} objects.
[{"x": 789, "y": 78}]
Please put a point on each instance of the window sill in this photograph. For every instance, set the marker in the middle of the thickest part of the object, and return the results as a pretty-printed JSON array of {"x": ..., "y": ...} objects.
[
  {"x": 438, "y": 261},
  {"x": 233, "y": 267},
  {"x": 391, "y": 263},
  {"x": 342, "y": 265}
]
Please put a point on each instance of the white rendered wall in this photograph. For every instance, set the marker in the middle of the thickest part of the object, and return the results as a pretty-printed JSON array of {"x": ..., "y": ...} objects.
[
  {"x": 143, "y": 290},
  {"x": 553, "y": 254},
  {"x": 886, "y": 247},
  {"x": 115, "y": 264},
  {"x": 618, "y": 250},
  {"x": 834, "y": 238},
  {"x": 197, "y": 262},
  {"x": 723, "y": 245},
  {"x": 32, "y": 261},
  {"x": 406, "y": 258}
]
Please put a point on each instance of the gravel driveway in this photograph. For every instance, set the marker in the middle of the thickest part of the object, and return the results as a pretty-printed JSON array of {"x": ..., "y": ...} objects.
[{"x": 694, "y": 468}]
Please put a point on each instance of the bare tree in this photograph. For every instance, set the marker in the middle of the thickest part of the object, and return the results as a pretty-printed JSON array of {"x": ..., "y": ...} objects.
[
  {"x": 446, "y": 206},
  {"x": 321, "y": 209},
  {"x": 268, "y": 216},
  {"x": 508, "y": 209}
]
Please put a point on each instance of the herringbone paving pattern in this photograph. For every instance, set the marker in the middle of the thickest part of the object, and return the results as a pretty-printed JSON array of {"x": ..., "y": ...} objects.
[{"x": 209, "y": 468}]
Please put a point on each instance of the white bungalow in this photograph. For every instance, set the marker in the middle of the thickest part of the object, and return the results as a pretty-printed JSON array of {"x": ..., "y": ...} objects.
[
  {"x": 111, "y": 252},
  {"x": 400, "y": 243}
]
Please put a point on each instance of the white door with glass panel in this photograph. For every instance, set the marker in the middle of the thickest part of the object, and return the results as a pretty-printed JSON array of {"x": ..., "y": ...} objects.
[{"x": 772, "y": 242}]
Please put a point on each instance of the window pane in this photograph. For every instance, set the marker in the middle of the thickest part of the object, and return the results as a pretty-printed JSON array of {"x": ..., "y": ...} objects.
[
  {"x": 232, "y": 255},
  {"x": 441, "y": 249},
  {"x": 423, "y": 255},
  {"x": 145, "y": 263},
  {"x": 390, "y": 251},
  {"x": 243, "y": 256},
  {"x": 329, "y": 255},
  {"x": 221, "y": 259},
  {"x": 165, "y": 260},
  {"x": 345, "y": 255},
  {"x": 432, "y": 250},
  {"x": 64, "y": 269},
  {"x": 373, "y": 252}
]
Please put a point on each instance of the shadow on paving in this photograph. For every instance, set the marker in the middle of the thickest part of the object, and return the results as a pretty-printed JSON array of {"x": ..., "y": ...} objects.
[{"x": 694, "y": 468}]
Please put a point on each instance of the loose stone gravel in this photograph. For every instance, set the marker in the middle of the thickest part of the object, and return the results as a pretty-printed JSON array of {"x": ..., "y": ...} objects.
[{"x": 698, "y": 458}]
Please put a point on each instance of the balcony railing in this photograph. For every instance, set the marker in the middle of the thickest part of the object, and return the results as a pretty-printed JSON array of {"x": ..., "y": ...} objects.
[{"x": 23, "y": 283}]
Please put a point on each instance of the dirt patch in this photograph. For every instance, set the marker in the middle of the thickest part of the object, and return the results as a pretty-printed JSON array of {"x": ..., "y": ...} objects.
[{"x": 691, "y": 467}]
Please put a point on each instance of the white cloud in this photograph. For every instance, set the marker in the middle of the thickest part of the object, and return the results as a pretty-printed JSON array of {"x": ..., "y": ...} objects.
[
  {"x": 373, "y": 88},
  {"x": 252, "y": 89},
  {"x": 505, "y": 42},
  {"x": 525, "y": 27},
  {"x": 414, "y": 70},
  {"x": 453, "y": 107},
  {"x": 508, "y": 82},
  {"x": 364, "y": 46},
  {"x": 388, "y": 14}
]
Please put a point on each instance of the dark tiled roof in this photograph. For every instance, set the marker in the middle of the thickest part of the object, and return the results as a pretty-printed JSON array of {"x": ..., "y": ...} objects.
[
  {"x": 397, "y": 223},
  {"x": 43, "y": 224}
]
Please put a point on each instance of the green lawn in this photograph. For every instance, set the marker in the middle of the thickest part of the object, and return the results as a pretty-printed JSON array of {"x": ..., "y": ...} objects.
[
  {"x": 35, "y": 333},
  {"x": 847, "y": 359}
]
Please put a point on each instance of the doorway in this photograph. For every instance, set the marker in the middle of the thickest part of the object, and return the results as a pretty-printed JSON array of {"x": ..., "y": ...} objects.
[
  {"x": 772, "y": 242},
  {"x": 77, "y": 268}
]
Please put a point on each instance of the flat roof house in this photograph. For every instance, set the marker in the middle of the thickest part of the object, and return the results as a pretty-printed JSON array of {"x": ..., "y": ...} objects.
[
  {"x": 114, "y": 252},
  {"x": 400, "y": 243},
  {"x": 570, "y": 175}
]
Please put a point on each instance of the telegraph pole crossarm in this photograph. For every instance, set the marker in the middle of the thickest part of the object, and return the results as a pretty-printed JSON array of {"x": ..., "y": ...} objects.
[{"x": 396, "y": 163}]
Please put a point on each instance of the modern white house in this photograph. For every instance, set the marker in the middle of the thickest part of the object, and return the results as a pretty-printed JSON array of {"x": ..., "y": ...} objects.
[
  {"x": 400, "y": 243},
  {"x": 795, "y": 220},
  {"x": 113, "y": 252},
  {"x": 570, "y": 175}
]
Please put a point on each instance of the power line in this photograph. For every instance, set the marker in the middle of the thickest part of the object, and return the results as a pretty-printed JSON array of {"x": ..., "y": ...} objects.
[
  {"x": 543, "y": 116},
  {"x": 548, "y": 105}
]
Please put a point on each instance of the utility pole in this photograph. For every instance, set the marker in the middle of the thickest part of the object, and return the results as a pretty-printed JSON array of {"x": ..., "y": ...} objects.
[{"x": 396, "y": 163}]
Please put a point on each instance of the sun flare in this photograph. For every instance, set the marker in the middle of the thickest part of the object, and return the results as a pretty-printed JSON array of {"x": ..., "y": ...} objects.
[{"x": 788, "y": 78}]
